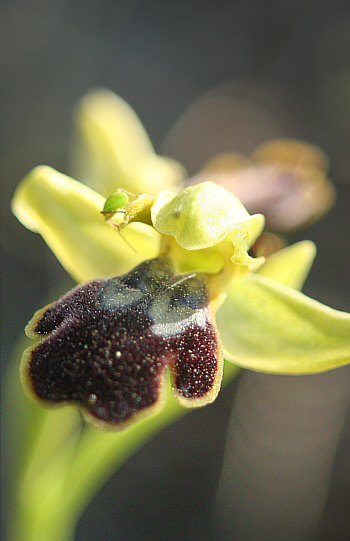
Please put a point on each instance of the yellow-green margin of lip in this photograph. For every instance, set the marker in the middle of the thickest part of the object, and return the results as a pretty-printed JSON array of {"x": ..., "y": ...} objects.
[
  {"x": 27, "y": 385},
  {"x": 217, "y": 297}
]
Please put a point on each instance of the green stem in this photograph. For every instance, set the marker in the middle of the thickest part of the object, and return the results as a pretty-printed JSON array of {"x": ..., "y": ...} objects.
[
  {"x": 63, "y": 476},
  {"x": 39, "y": 513}
]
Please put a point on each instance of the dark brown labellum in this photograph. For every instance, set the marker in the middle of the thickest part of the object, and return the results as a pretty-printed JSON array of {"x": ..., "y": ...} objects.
[{"x": 105, "y": 345}]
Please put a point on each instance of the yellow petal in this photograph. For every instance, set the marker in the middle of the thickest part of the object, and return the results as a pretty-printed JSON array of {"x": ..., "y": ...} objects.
[
  {"x": 291, "y": 265},
  {"x": 269, "y": 327},
  {"x": 112, "y": 148},
  {"x": 68, "y": 216}
]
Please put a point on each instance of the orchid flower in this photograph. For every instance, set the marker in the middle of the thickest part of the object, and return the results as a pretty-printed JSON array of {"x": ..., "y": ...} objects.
[
  {"x": 166, "y": 285},
  {"x": 285, "y": 179}
]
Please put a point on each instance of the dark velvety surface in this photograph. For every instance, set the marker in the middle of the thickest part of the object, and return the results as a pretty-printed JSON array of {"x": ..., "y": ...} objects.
[{"x": 109, "y": 341}]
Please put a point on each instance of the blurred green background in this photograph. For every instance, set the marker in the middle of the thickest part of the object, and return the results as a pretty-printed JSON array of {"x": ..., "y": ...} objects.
[{"x": 204, "y": 76}]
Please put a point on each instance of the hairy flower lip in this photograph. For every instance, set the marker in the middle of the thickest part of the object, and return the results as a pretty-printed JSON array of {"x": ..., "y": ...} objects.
[{"x": 106, "y": 344}]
